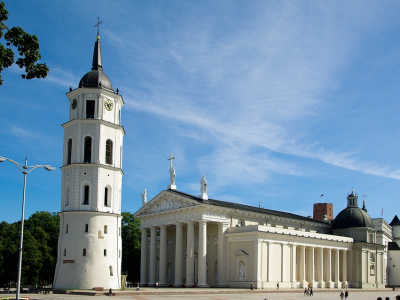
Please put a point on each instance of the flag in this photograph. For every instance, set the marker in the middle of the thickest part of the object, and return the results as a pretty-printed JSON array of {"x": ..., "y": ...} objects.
[{"x": 322, "y": 195}]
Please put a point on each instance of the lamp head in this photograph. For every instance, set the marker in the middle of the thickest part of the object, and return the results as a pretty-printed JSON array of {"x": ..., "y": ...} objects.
[
  {"x": 49, "y": 168},
  {"x": 2, "y": 159}
]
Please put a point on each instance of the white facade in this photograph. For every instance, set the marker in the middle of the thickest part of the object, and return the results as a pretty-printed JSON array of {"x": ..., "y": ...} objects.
[
  {"x": 216, "y": 243},
  {"x": 393, "y": 269},
  {"x": 90, "y": 245}
]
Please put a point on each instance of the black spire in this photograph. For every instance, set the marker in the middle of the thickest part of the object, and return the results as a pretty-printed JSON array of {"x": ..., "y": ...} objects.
[
  {"x": 395, "y": 221},
  {"x": 96, "y": 65},
  {"x": 96, "y": 77},
  {"x": 364, "y": 208}
]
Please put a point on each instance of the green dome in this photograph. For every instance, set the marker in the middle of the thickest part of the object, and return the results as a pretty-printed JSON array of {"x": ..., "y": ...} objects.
[{"x": 352, "y": 217}]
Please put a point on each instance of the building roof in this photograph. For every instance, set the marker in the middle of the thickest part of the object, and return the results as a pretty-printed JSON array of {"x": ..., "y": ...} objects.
[
  {"x": 352, "y": 217},
  {"x": 249, "y": 208},
  {"x": 393, "y": 246},
  {"x": 395, "y": 221},
  {"x": 96, "y": 77}
]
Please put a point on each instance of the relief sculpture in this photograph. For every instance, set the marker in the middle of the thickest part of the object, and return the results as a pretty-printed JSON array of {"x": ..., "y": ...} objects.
[{"x": 169, "y": 204}]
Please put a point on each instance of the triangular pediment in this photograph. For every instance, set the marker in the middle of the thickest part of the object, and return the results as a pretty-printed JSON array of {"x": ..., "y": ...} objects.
[
  {"x": 166, "y": 201},
  {"x": 241, "y": 253}
]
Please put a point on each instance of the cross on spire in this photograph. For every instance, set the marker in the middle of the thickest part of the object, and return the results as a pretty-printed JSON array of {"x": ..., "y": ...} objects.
[
  {"x": 170, "y": 159},
  {"x": 98, "y": 26}
]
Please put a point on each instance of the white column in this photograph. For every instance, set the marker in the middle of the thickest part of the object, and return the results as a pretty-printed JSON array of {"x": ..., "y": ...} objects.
[
  {"x": 163, "y": 256},
  {"x": 293, "y": 264},
  {"x": 257, "y": 263},
  {"x": 321, "y": 268},
  {"x": 143, "y": 257},
  {"x": 221, "y": 275},
  {"x": 202, "y": 255},
  {"x": 329, "y": 268},
  {"x": 312, "y": 267},
  {"x": 153, "y": 256},
  {"x": 178, "y": 256},
  {"x": 303, "y": 267},
  {"x": 337, "y": 269},
  {"x": 190, "y": 255},
  {"x": 344, "y": 268},
  {"x": 284, "y": 262},
  {"x": 269, "y": 270}
]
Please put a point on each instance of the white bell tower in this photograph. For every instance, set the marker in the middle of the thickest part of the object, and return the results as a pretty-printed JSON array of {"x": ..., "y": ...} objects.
[{"x": 89, "y": 245}]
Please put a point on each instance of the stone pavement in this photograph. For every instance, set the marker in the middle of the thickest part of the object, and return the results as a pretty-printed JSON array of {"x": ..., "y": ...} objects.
[{"x": 218, "y": 294}]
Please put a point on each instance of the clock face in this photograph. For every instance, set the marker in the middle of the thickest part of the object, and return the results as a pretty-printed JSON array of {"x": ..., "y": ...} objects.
[
  {"x": 108, "y": 105},
  {"x": 74, "y": 104}
]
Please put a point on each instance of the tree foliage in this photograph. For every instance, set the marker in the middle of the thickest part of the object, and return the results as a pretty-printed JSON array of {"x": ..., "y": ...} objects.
[
  {"x": 39, "y": 254},
  {"x": 131, "y": 246},
  {"x": 26, "y": 45}
]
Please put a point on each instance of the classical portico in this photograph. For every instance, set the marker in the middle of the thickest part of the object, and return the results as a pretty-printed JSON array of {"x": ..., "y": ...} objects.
[{"x": 179, "y": 250}]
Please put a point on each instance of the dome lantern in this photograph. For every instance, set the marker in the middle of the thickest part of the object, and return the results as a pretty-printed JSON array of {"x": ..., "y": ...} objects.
[{"x": 352, "y": 215}]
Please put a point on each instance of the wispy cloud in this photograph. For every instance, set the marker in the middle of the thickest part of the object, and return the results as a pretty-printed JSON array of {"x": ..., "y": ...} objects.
[
  {"x": 257, "y": 83},
  {"x": 62, "y": 77},
  {"x": 255, "y": 91}
]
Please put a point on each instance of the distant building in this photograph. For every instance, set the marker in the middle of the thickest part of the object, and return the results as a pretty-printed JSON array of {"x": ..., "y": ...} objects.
[
  {"x": 393, "y": 268},
  {"x": 321, "y": 210}
]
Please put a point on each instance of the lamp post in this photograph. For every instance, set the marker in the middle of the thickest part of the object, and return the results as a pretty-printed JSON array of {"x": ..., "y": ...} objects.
[{"x": 25, "y": 169}]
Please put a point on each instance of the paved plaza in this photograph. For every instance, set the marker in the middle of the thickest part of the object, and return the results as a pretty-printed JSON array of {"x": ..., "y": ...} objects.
[{"x": 221, "y": 294}]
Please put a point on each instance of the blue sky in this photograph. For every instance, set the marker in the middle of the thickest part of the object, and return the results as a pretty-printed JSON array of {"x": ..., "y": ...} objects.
[{"x": 276, "y": 102}]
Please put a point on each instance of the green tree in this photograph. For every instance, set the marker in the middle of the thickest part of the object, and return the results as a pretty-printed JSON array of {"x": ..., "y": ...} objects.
[
  {"x": 131, "y": 246},
  {"x": 9, "y": 234},
  {"x": 26, "y": 45},
  {"x": 44, "y": 228},
  {"x": 39, "y": 250}
]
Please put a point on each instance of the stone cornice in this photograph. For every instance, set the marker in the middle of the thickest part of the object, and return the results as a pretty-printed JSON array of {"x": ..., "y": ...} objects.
[
  {"x": 94, "y": 121},
  {"x": 108, "y": 167},
  {"x": 263, "y": 233}
]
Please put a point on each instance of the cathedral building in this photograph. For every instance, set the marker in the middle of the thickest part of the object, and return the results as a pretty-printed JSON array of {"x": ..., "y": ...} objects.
[
  {"x": 199, "y": 241},
  {"x": 89, "y": 244}
]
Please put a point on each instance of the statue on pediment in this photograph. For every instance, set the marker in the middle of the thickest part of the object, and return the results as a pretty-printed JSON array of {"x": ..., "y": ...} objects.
[
  {"x": 203, "y": 185},
  {"x": 144, "y": 197}
]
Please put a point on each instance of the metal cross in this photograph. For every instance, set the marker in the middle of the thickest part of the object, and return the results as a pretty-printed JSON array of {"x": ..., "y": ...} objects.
[
  {"x": 171, "y": 159},
  {"x": 98, "y": 25}
]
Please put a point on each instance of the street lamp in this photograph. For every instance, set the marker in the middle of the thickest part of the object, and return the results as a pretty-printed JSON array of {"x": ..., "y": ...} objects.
[{"x": 25, "y": 169}]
